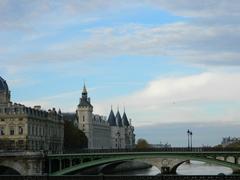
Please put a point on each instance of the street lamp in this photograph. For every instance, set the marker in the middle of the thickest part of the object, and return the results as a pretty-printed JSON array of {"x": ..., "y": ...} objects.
[
  {"x": 191, "y": 138},
  {"x": 188, "y": 133}
]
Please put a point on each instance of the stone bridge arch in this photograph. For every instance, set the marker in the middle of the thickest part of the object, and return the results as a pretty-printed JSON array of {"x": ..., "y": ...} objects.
[
  {"x": 25, "y": 163},
  {"x": 13, "y": 166},
  {"x": 8, "y": 171}
]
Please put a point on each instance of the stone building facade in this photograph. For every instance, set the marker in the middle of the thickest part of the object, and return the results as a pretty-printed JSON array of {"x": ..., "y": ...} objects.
[
  {"x": 26, "y": 128},
  {"x": 113, "y": 133}
]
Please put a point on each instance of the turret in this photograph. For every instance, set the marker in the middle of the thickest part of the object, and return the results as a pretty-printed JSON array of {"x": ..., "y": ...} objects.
[
  {"x": 119, "y": 119},
  {"x": 112, "y": 119},
  {"x": 125, "y": 120},
  {"x": 84, "y": 116}
]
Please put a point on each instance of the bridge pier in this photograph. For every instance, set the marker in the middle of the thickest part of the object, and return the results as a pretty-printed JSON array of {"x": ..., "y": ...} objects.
[{"x": 165, "y": 165}]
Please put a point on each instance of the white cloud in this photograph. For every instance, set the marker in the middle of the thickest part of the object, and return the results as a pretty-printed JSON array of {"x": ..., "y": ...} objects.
[
  {"x": 206, "y": 97},
  {"x": 193, "y": 44},
  {"x": 200, "y": 8}
]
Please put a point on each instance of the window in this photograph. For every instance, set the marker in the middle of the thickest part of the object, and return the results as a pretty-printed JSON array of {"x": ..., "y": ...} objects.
[
  {"x": 20, "y": 142},
  {"x": 83, "y": 118},
  {"x": 83, "y": 125},
  {"x": 2, "y": 119},
  {"x": 2, "y": 131},
  {"x": 20, "y": 130},
  {"x": 11, "y": 130}
]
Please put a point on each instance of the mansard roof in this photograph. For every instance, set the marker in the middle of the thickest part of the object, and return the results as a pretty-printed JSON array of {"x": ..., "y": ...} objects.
[
  {"x": 3, "y": 85},
  {"x": 112, "y": 119},
  {"x": 125, "y": 120},
  {"x": 119, "y": 119}
]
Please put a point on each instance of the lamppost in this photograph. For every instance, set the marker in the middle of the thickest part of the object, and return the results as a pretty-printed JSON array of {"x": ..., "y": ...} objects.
[
  {"x": 188, "y": 133},
  {"x": 191, "y": 138}
]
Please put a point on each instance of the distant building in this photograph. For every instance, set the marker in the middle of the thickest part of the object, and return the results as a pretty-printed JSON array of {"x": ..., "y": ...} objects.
[
  {"x": 28, "y": 128},
  {"x": 229, "y": 140},
  {"x": 116, "y": 132},
  {"x": 160, "y": 145}
]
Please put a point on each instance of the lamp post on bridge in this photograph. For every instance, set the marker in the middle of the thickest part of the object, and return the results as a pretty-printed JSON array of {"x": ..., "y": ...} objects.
[
  {"x": 191, "y": 139},
  {"x": 188, "y": 134}
]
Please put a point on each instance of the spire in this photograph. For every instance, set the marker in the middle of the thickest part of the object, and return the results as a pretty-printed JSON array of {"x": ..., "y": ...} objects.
[
  {"x": 125, "y": 119},
  {"x": 119, "y": 119},
  {"x": 84, "y": 89},
  {"x": 84, "y": 101},
  {"x": 111, "y": 118}
]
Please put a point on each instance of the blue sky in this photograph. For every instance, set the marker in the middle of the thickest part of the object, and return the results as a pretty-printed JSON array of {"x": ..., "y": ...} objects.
[{"x": 174, "y": 64}]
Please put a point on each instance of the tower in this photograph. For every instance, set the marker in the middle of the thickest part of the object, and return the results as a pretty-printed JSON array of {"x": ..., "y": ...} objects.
[
  {"x": 4, "y": 92},
  {"x": 84, "y": 115}
]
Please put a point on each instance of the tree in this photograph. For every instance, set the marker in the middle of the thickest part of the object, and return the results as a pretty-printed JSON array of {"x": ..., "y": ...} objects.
[
  {"x": 142, "y": 144},
  {"x": 74, "y": 138}
]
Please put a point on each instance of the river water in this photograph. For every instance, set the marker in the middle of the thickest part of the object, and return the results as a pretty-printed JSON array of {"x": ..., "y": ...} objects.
[{"x": 194, "y": 168}]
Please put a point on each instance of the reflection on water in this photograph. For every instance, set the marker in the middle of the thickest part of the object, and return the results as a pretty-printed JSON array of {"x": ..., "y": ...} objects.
[
  {"x": 194, "y": 168},
  {"x": 201, "y": 168},
  {"x": 150, "y": 171}
]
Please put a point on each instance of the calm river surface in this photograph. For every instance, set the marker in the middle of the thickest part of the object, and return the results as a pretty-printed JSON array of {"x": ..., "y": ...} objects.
[{"x": 194, "y": 168}]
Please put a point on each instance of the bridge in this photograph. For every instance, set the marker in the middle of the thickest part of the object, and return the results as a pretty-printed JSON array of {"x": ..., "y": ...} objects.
[{"x": 166, "y": 160}]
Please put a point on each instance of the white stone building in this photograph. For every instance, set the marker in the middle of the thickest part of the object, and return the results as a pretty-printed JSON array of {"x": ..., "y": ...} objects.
[
  {"x": 26, "y": 128},
  {"x": 114, "y": 133}
]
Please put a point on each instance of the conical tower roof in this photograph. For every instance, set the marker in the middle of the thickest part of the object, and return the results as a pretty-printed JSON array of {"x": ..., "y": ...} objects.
[
  {"x": 119, "y": 119},
  {"x": 3, "y": 85},
  {"x": 125, "y": 120},
  {"x": 84, "y": 89},
  {"x": 112, "y": 119}
]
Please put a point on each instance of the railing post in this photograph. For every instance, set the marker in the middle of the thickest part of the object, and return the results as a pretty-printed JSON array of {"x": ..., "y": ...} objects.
[
  {"x": 225, "y": 158},
  {"x": 49, "y": 166},
  {"x": 60, "y": 164},
  {"x": 71, "y": 162},
  {"x": 236, "y": 160}
]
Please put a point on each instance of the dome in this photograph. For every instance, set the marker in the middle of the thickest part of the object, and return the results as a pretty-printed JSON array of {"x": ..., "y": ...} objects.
[
  {"x": 111, "y": 119},
  {"x": 3, "y": 85}
]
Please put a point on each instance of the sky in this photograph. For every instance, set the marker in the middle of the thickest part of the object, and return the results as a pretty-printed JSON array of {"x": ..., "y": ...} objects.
[{"x": 173, "y": 64}]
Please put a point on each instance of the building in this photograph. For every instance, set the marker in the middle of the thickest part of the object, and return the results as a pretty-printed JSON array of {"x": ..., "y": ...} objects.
[
  {"x": 26, "y": 128},
  {"x": 114, "y": 133},
  {"x": 229, "y": 140}
]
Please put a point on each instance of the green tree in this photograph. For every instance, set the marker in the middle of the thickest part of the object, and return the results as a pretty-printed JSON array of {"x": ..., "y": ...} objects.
[
  {"x": 73, "y": 137},
  {"x": 142, "y": 144}
]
